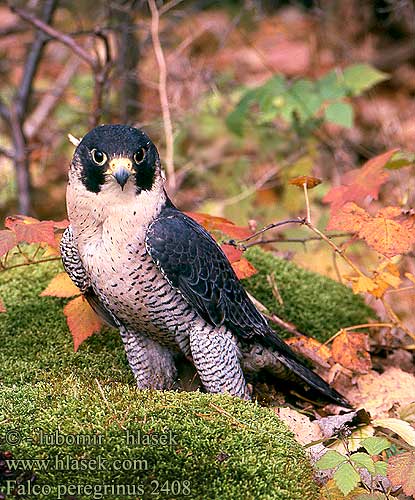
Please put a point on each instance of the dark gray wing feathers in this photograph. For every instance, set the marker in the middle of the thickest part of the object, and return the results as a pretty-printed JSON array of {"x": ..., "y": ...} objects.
[{"x": 193, "y": 263}]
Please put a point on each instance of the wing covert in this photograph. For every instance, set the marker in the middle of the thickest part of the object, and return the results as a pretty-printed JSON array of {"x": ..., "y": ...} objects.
[{"x": 193, "y": 263}]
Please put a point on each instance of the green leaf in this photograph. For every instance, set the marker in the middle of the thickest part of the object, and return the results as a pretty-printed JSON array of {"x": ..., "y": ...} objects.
[
  {"x": 361, "y": 77},
  {"x": 381, "y": 467},
  {"x": 398, "y": 426},
  {"x": 364, "y": 460},
  {"x": 375, "y": 445},
  {"x": 401, "y": 159},
  {"x": 339, "y": 113},
  {"x": 330, "y": 86},
  {"x": 330, "y": 460},
  {"x": 346, "y": 478},
  {"x": 235, "y": 120}
]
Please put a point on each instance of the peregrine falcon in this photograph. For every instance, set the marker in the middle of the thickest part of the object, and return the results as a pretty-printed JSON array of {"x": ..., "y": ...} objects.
[{"x": 155, "y": 274}]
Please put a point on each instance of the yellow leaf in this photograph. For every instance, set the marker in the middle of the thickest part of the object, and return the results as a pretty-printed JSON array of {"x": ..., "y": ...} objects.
[{"x": 61, "y": 286}]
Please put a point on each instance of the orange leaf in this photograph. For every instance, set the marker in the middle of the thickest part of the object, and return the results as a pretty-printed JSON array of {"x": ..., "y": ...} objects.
[
  {"x": 61, "y": 286},
  {"x": 61, "y": 224},
  {"x": 350, "y": 349},
  {"x": 213, "y": 223},
  {"x": 7, "y": 241},
  {"x": 310, "y": 182},
  {"x": 360, "y": 183},
  {"x": 2, "y": 307},
  {"x": 243, "y": 268},
  {"x": 401, "y": 472},
  {"x": 233, "y": 254},
  {"x": 311, "y": 348},
  {"x": 349, "y": 217},
  {"x": 82, "y": 320},
  {"x": 30, "y": 230},
  {"x": 389, "y": 232}
]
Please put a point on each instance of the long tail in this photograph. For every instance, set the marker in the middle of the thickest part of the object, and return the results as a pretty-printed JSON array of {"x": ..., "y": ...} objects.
[{"x": 289, "y": 359}]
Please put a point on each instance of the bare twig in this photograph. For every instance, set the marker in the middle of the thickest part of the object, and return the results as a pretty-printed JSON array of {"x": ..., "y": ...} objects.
[
  {"x": 57, "y": 35},
  {"x": 47, "y": 104},
  {"x": 303, "y": 241},
  {"x": 100, "y": 69},
  {"x": 6, "y": 152},
  {"x": 16, "y": 115},
  {"x": 264, "y": 229},
  {"x": 168, "y": 128}
]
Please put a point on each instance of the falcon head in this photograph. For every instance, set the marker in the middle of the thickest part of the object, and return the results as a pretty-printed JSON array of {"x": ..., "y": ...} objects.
[{"x": 117, "y": 160}]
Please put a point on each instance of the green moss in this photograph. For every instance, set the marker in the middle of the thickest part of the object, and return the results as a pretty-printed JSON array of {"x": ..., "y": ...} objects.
[
  {"x": 316, "y": 305},
  {"x": 216, "y": 446}
]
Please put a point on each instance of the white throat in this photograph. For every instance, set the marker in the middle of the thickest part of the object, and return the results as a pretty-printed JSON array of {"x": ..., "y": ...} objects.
[{"x": 112, "y": 217}]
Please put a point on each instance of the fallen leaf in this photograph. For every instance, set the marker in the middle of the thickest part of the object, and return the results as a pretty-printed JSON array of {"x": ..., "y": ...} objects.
[
  {"x": 350, "y": 349},
  {"x": 61, "y": 286},
  {"x": 2, "y": 307},
  {"x": 311, "y": 348},
  {"x": 360, "y": 183},
  {"x": 305, "y": 430},
  {"x": 243, "y": 268},
  {"x": 401, "y": 471},
  {"x": 400, "y": 427},
  {"x": 7, "y": 241},
  {"x": 213, "y": 223},
  {"x": 309, "y": 181},
  {"x": 378, "y": 393},
  {"x": 82, "y": 320}
]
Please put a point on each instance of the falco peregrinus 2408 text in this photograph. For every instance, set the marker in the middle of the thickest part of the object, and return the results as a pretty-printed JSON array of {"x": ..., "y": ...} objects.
[{"x": 159, "y": 277}]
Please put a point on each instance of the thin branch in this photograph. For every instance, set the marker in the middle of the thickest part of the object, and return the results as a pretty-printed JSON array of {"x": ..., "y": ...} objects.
[
  {"x": 7, "y": 153},
  {"x": 30, "y": 263},
  {"x": 168, "y": 128},
  {"x": 303, "y": 241},
  {"x": 57, "y": 35},
  {"x": 264, "y": 229},
  {"x": 35, "y": 121}
]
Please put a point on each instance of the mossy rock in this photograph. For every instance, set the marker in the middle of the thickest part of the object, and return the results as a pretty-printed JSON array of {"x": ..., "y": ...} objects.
[
  {"x": 79, "y": 406},
  {"x": 318, "y": 306}
]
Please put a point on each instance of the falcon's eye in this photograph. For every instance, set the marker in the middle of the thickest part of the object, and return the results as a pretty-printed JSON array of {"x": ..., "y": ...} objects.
[
  {"x": 139, "y": 155},
  {"x": 99, "y": 157}
]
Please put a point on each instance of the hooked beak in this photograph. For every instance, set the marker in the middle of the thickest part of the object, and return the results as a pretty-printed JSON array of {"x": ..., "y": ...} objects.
[{"x": 120, "y": 169}]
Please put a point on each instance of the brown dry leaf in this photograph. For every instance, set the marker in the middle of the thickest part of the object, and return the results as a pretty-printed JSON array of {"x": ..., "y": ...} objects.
[
  {"x": 213, "y": 223},
  {"x": 389, "y": 232},
  {"x": 7, "y": 241},
  {"x": 309, "y": 181},
  {"x": 378, "y": 393},
  {"x": 243, "y": 268},
  {"x": 61, "y": 286},
  {"x": 401, "y": 472},
  {"x": 351, "y": 350},
  {"x": 82, "y": 320},
  {"x": 311, "y": 348},
  {"x": 30, "y": 230},
  {"x": 360, "y": 183},
  {"x": 303, "y": 428},
  {"x": 2, "y": 307}
]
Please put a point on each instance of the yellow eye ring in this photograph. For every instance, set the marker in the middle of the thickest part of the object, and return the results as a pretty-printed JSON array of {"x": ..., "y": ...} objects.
[
  {"x": 99, "y": 157},
  {"x": 139, "y": 156}
]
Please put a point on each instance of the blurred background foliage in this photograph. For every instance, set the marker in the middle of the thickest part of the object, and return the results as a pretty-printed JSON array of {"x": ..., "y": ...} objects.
[{"x": 259, "y": 92}]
